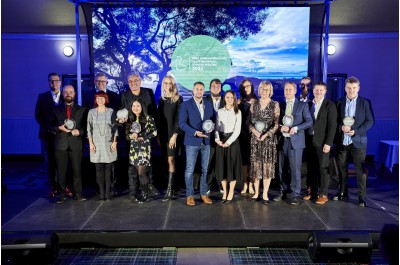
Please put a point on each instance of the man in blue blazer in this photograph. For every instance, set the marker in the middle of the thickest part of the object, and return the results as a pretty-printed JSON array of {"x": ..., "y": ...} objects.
[
  {"x": 192, "y": 114},
  {"x": 351, "y": 140},
  {"x": 45, "y": 104},
  {"x": 292, "y": 142}
]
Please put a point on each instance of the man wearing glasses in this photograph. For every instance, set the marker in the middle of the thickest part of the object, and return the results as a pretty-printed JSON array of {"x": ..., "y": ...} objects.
[
  {"x": 44, "y": 107},
  {"x": 305, "y": 86},
  {"x": 100, "y": 82}
]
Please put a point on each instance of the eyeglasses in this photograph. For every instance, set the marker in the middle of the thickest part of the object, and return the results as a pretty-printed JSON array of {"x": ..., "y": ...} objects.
[
  {"x": 54, "y": 81},
  {"x": 101, "y": 81},
  {"x": 305, "y": 85}
]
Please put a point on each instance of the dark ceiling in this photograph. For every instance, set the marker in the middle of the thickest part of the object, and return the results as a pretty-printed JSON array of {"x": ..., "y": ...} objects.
[{"x": 58, "y": 16}]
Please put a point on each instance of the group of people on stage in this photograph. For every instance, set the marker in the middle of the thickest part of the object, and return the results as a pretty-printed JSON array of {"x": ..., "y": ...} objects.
[{"x": 239, "y": 140}]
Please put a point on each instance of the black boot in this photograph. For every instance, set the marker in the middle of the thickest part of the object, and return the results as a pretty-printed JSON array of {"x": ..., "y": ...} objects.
[
  {"x": 145, "y": 194},
  {"x": 169, "y": 193}
]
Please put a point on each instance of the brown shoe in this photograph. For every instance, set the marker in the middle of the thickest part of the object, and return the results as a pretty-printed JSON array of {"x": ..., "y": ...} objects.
[
  {"x": 307, "y": 197},
  {"x": 206, "y": 200},
  {"x": 190, "y": 201},
  {"x": 322, "y": 199}
]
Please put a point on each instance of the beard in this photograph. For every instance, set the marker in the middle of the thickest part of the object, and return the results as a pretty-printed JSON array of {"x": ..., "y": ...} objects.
[{"x": 69, "y": 100}]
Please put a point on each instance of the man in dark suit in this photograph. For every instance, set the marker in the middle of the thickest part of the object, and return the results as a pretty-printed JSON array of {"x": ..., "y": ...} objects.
[
  {"x": 351, "y": 140},
  {"x": 68, "y": 141},
  {"x": 322, "y": 133},
  {"x": 100, "y": 82},
  {"x": 305, "y": 88},
  {"x": 192, "y": 115},
  {"x": 291, "y": 142},
  {"x": 217, "y": 101},
  {"x": 44, "y": 107},
  {"x": 147, "y": 97}
]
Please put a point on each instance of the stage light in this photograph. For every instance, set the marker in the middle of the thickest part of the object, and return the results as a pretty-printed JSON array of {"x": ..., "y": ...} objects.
[
  {"x": 68, "y": 51},
  {"x": 331, "y": 49}
]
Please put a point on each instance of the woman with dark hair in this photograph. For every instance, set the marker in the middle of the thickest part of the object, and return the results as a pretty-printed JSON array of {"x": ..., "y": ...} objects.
[
  {"x": 102, "y": 137},
  {"x": 169, "y": 131},
  {"x": 247, "y": 98},
  {"x": 227, "y": 153},
  {"x": 140, "y": 128}
]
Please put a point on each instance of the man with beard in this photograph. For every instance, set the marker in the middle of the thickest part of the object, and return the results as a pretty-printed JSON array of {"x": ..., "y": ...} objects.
[
  {"x": 68, "y": 123},
  {"x": 44, "y": 107},
  {"x": 216, "y": 99}
]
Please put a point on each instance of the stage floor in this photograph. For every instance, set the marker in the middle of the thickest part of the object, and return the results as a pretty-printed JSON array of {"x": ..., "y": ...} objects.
[{"x": 27, "y": 210}]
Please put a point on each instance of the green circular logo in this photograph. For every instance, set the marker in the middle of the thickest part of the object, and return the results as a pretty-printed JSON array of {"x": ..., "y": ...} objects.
[{"x": 200, "y": 58}]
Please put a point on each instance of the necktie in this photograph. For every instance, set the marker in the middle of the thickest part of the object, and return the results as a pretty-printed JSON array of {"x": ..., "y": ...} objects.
[
  {"x": 68, "y": 111},
  {"x": 312, "y": 111},
  {"x": 289, "y": 108}
]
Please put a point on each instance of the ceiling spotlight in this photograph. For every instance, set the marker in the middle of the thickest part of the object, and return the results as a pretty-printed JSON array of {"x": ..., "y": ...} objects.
[
  {"x": 331, "y": 49},
  {"x": 68, "y": 51}
]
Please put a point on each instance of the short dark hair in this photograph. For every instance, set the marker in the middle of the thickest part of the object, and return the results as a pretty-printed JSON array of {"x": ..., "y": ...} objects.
[
  {"x": 52, "y": 74},
  {"x": 320, "y": 83},
  {"x": 352, "y": 80},
  {"x": 216, "y": 80},
  {"x": 100, "y": 94},
  {"x": 199, "y": 83}
]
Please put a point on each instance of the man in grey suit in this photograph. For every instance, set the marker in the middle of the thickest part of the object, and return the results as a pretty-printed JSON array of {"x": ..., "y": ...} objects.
[
  {"x": 351, "y": 140},
  {"x": 292, "y": 142}
]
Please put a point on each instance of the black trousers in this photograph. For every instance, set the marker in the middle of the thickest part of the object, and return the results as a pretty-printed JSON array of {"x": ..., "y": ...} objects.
[
  {"x": 62, "y": 160},
  {"x": 48, "y": 144},
  {"x": 103, "y": 179},
  {"x": 343, "y": 159}
]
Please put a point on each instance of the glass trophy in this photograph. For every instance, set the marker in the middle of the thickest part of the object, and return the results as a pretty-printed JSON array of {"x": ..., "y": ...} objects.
[
  {"x": 208, "y": 126},
  {"x": 69, "y": 124},
  {"x": 260, "y": 126},
  {"x": 348, "y": 121}
]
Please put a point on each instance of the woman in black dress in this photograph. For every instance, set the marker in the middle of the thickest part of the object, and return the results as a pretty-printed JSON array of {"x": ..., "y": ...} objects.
[
  {"x": 247, "y": 98},
  {"x": 169, "y": 131}
]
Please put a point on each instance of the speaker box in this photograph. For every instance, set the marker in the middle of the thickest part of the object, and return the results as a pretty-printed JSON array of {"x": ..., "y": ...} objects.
[
  {"x": 334, "y": 246},
  {"x": 24, "y": 248}
]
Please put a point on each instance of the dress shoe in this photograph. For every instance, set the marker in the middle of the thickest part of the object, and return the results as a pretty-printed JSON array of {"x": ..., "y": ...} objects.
[
  {"x": 341, "y": 196},
  {"x": 294, "y": 201},
  {"x": 153, "y": 191},
  {"x": 322, "y": 199},
  {"x": 190, "y": 201},
  {"x": 361, "y": 202},
  {"x": 279, "y": 197},
  {"x": 206, "y": 200},
  {"x": 310, "y": 196},
  {"x": 61, "y": 200}
]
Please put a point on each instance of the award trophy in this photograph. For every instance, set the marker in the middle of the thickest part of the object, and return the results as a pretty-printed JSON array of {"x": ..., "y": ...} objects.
[
  {"x": 208, "y": 126},
  {"x": 136, "y": 128},
  {"x": 69, "y": 124},
  {"x": 287, "y": 120},
  {"x": 122, "y": 114},
  {"x": 260, "y": 126},
  {"x": 348, "y": 121}
]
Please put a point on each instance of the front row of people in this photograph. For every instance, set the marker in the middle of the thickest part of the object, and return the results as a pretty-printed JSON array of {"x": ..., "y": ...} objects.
[{"x": 277, "y": 133}]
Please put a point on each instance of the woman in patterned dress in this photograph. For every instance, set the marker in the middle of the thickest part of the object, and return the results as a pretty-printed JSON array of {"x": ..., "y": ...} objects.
[
  {"x": 169, "y": 131},
  {"x": 247, "y": 98},
  {"x": 102, "y": 135},
  {"x": 263, "y": 143},
  {"x": 140, "y": 128}
]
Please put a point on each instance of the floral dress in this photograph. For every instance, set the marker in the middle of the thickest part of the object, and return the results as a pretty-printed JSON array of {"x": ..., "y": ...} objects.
[{"x": 140, "y": 151}]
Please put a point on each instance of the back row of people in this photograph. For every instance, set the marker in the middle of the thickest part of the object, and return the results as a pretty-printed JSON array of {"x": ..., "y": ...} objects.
[{"x": 254, "y": 125}]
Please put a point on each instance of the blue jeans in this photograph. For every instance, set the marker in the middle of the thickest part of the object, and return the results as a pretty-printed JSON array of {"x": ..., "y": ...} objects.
[{"x": 191, "y": 157}]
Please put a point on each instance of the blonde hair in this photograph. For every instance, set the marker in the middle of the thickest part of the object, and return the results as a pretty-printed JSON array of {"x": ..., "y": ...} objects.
[
  {"x": 265, "y": 84},
  {"x": 175, "y": 93}
]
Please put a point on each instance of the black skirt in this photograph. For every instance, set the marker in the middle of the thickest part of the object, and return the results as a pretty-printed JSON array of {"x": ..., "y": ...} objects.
[{"x": 228, "y": 160}]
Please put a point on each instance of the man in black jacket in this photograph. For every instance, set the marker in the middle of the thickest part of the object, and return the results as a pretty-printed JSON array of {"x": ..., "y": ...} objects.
[
  {"x": 44, "y": 107},
  {"x": 321, "y": 135},
  {"x": 68, "y": 123}
]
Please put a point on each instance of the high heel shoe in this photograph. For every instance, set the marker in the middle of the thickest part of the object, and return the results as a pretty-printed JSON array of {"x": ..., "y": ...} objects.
[
  {"x": 223, "y": 200},
  {"x": 266, "y": 201},
  {"x": 254, "y": 199},
  {"x": 228, "y": 201},
  {"x": 251, "y": 189},
  {"x": 244, "y": 190}
]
